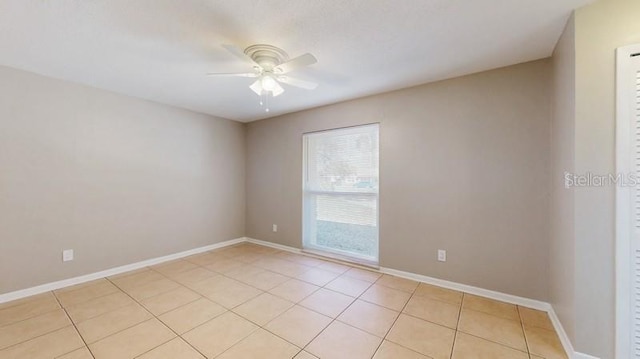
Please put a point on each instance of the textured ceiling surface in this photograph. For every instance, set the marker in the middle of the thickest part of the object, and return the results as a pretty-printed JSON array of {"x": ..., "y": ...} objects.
[{"x": 160, "y": 49}]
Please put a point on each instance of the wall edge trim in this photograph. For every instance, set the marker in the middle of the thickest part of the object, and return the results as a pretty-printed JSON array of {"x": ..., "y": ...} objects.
[
  {"x": 42, "y": 288},
  {"x": 508, "y": 298},
  {"x": 525, "y": 302}
]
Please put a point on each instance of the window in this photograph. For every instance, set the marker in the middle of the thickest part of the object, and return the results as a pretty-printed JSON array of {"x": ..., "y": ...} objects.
[{"x": 340, "y": 185}]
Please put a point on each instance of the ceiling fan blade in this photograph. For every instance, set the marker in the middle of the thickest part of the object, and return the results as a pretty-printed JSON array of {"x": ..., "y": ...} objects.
[
  {"x": 307, "y": 85},
  {"x": 296, "y": 63},
  {"x": 233, "y": 74},
  {"x": 235, "y": 50}
]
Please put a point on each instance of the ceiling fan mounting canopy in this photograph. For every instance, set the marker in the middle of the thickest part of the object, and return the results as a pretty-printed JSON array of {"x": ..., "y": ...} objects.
[{"x": 267, "y": 56}]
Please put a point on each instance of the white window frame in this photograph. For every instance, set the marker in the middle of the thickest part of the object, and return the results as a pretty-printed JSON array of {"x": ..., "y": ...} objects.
[
  {"x": 624, "y": 219},
  {"x": 307, "y": 214}
]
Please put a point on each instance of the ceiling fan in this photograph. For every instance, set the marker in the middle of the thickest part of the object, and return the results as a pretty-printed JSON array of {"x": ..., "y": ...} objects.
[{"x": 271, "y": 66}]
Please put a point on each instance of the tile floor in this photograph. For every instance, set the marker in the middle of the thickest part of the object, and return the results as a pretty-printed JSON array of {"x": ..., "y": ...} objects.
[{"x": 250, "y": 301}]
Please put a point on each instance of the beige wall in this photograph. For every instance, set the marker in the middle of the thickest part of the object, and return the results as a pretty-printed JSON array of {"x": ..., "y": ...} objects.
[
  {"x": 600, "y": 29},
  {"x": 562, "y": 244},
  {"x": 464, "y": 167},
  {"x": 117, "y": 179}
]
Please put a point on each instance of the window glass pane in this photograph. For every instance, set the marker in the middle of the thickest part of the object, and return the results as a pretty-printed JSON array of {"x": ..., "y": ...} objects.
[
  {"x": 341, "y": 192},
  {"x": 347, "y": 223}
]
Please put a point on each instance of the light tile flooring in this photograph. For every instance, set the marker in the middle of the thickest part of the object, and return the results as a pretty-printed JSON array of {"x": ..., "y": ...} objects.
[{"x": 250, "y": 301}]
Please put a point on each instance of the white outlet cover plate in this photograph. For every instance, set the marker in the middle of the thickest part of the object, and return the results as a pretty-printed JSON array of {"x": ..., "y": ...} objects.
[
  {"x": 442, "y": 255},
  {"x": 67, "y": 255}
]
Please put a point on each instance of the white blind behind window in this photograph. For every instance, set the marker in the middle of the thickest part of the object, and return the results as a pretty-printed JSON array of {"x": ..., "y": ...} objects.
[{"x": 341, "y": 191}]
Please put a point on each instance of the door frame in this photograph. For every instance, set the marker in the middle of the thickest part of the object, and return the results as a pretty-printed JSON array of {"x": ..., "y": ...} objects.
[{"x": 623, "y": 214}]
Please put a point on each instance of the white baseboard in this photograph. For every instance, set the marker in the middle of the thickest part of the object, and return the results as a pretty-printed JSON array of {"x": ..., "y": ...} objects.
[
  {"x": 274, "y": 245},
  {"x": 583, "y": 356},
  {"x": 7, "y": 297},
  {"x": 562, "y": 334},
  {"x": 564, "y": 338},
  {"x": 525, "y": 302},
  {"x": 508, "y": 298}
]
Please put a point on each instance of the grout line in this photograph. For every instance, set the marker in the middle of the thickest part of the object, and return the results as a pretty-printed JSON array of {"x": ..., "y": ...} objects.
[
  {"x": 60, "y": 307},
  {"x": 524, "y": 333},
  {"x": 339, "y": 314},
  {"x": 227, "y": 310},
  {"x": 455, "y": 334},
  {"x": 160, "y": 321},
  {"x": 80, "y": 286},
  {"x": 399, "y": 314},
  {"x": 239, "y": 341},
  {"x": 497, "y": 343},
  {"x": 263, "y": 327},
  {"x": 74, "y": 327},
  {"x": 464, "y": 294},
  {"x": 40, "y": 336},
  {"x": 91, "y": 299},
  {"x": 412, "y": 293},
  {"x": 22, "y": 301},
  {"x": 148, "y": 283},
  {"x": 29, "y": 318}
]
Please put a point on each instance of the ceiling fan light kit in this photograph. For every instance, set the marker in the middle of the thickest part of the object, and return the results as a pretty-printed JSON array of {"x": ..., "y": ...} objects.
[{"x": 270, "y": 64}]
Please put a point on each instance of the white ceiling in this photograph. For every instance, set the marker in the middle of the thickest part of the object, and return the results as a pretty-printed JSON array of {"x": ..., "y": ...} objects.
[{"x": 160, "y": 49}]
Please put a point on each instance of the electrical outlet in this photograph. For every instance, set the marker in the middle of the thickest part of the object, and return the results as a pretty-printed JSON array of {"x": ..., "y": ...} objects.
[
  {"x": 275, "y": 227},
  {"x": 442, "y": 255},
  {"x": 67, "y": 255}
]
